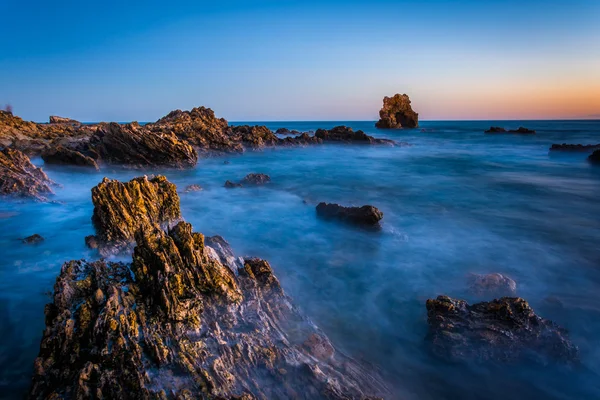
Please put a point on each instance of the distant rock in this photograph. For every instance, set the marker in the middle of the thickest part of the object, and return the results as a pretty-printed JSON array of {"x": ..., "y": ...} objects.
[
  {"x": 594, "y": 158},
  {"x": 365, "y": 215},
  {"x": 574, "y": 147},
  {"x": 63, "y": 155},
  {"x": 232, "y": 185},
  {"x": 256, "y": 179},
  {"x": 522, "y": 130},
  {"x": 397, "y": 113},
  {"x": 254, "y": 137},
  {"x": 61, "y": 120},
  {"x": 286, "y": 131},
  {"x": 493, "y": 285},
  {"x": 348, "y": 135},
  {"x": 193, "y": 188},
  {"x": 120, "y": 209},
  {"x": 33, "y": 239},
  {"x": 504, "y": 330},
  {"x": 498, "y": 129},
  {"x": 19, "y": 177}
]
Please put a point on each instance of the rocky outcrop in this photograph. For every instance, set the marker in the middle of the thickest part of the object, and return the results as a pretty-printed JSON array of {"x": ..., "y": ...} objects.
[
  {"x": 347, "y": 135},
  {"x": 493, "y": 285},
  {"x": 594, "y": 158},
  {"x": 520, "y": 130},
  {"x": 365, "y": 215},
  {"x": 135, "y": 145},
  {"x": 120, "y": 209},
  {"x": 504, "y": 330},
  {"x": 19, "y": 177},
  {"x": 256, "y": 179},
  {"x": 179, "y": 323},
  {"x": 33, "y": 239},
  {"x": 63, "y": 155},
  {"x": 397, "y": 113},
  {"x": 575, "y": 147},
  {"x": 254, "y": 137},
  {"x": 61, "y": 120},
  {"x": 286, "y": 131}
]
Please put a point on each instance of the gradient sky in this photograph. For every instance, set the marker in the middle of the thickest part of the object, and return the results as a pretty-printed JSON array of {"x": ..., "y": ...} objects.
[{"x": 300, "y": 60}]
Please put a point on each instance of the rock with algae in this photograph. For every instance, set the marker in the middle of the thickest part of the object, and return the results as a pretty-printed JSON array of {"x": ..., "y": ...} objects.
[
  {"x": 19, "y": 177},
  {"x": 397, "y": 113}
]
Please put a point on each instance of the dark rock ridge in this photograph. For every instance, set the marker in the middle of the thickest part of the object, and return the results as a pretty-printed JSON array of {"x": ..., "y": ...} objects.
[
  {"x": 33, "y": 239},
  {"x": 365, "y": 215},
  {"x": 594, "y": 158},
  {"x": 494, "y": 285},
  {"x": 62, "y": 155},
  {"x": 179, "y": 322},
  {"x": 61, "y": 120},
  {"x": 120, "y": 209},
  {"x": 347, "y": 135},
  {"x": 19, "y": 177},
  {"x": 498, "y": 129},
  {"x": 504, "y": 330},
  {"x": 574, "y": 147},
  {"x": 397, "y": 113}
]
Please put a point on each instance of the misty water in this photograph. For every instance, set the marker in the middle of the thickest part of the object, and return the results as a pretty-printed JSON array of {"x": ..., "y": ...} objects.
[{"x": 455, "y": 202}]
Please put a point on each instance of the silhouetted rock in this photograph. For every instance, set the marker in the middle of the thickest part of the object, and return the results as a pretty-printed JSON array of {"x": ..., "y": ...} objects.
[
  {"x": 136, "y": 145},
  {"x": 574, "y": 147},
  {"x": 520, "y": 130},
  {"x": 496, "y": 129},
  {"x": 193, "y": 188},
  {"x": 397, "y": 113},
  {"x": 231, "y": 185},
  {"x": 347, "y": 135},
  {"x": 19, "y": 177},
  {"x": 61, "y": 120},
  {"x": 594, "y": 158},
  {"x": 256, "y": 179},
  {"x": 120, "y": 209},
  {"x": 505, "y": 330},
  {"x": 33, "y": 239},
  {"x": 365, "y": 215},
  {"x": 63, "y": 155},
  {"x": 493, "y": 285}
]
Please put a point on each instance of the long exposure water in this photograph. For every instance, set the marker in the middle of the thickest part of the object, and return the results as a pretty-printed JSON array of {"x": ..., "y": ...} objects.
[{"x": 456, "y": 201}]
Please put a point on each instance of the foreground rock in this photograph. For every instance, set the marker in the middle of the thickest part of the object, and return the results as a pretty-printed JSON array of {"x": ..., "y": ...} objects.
[
  {"x": 574, "y": 147},
  {"x": 594, "y": 158},
  {"x": 504, "y": 330},
  {"x": 365, "y": 215},
  {"x": 521, "y": 130},
  {"x": 19, "y": 177},
  {"x": 121, "y": 209},
  {"x": 397, "y": 113},
  {"x": 178, "y": 323},
  {"x": 492, "y": 285},
  {"x": 65, "y": 156},
  {"x": 347, "y": 135}
]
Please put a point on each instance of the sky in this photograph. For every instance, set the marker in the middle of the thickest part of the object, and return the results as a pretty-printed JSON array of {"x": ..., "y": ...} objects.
[{"x": 300, "y": 60}]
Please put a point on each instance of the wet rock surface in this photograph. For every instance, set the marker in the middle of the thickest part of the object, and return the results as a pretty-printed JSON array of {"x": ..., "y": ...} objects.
[
  {"x": 178, "y": 323},
  {"x": 62, "y": 155},
  {"x": 397, "y": 113},
  {"x": 365, "y": 215},
  {"x": 493, "y": 285},
  {"x": 120, "y": 209},
  {"x": 594, "y": 158},
  {"x": 256, "y": 179},
  {"x": 232, "y": 185},
  {"x": 19, "y": 177},
  {"x": 574, "y": 147},
  {"x": 348, "y": 135},
  {"x": 33, "y": 239},
  {"x": 503, "y": 330}
]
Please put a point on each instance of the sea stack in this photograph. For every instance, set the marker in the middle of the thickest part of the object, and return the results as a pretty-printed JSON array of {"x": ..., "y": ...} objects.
[{"x": 397, "y": 113}]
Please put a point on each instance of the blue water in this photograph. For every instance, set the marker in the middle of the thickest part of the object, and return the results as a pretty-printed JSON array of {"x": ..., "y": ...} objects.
[{"x": 457, "y": 201}]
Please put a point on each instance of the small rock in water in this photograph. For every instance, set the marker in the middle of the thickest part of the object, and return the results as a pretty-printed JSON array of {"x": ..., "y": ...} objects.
[
  {"x": 226, "y": 162},
  {"x": 33, "y": 239},
  {"x": 193, "y": 188},
  {"x": 256, "y": 179},
  {"x": 231, "y": 185},
  {"x": 365, "y": 215},
  {"x": 495, "y": 285}
]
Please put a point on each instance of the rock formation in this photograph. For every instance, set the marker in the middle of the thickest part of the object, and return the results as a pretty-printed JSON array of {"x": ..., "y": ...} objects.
[
  {"x": 594, "y": 158},
  {"x": 33, "y": 239},
  {"x": 493, "y": 285},
  {"x": 184, "y": 321},
  {"x": 193, "y": 188},
  {"x": 574, "y": 147},
  {"x": 347, "y": 135},
  {"x": 286, "y": 131},
  {"x": 254, "y": 137},
  {"x": 120, "y": 209},
  {"x": 135, "y": 145},
  {"x": 520, "y": 130},
  {"x": 19, "y": 177},
  {"x": 256, "y": 179},
  {"x": 61, "y": 120},
  {"x": 365, "y": 215},
  {"x": 62, "y": 155},
  {"x": 504, "y": 330},
  {"x": 397, "y": 113},
  {"x": 232, "y": 185}
]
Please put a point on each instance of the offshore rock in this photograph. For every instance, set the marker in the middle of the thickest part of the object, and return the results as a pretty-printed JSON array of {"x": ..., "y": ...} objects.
[
  {"x": 256, "y": 179},
  {"x": 120, "y": 209},
  {"x": 193, "y": 188},
  {"x": 62, "y": 155},
  {"x": 347, "y": 135},
  {"x": 232, "y": 185},
  {"x": 397, "y": 113},
  {"x": 19, "y": 177},
  {"x": 494, "y": 285},
  {"x": 504, "y": 330},
  {"x": 574, "y": 147},
  {"x": 179, "y": 324},
  {"x": 594, "y": 158},
  {"x": 61, "y": 120},
  {"x": 520, "y": 130},
  {"x": 136, "y": 145},
  {"x": 254, "y": 137},
  {"x": 286, "y": 131},
  {"x": 33, "y": 239},
  {"x": 365, "y": 215}
]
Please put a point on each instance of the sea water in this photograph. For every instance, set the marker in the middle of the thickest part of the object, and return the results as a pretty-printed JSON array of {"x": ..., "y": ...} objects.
[{"x": 456, "y": 201}]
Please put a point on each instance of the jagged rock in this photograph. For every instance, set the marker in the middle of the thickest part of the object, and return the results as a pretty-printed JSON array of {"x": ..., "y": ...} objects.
[
  {"x": 397, "y": 113},
  {"x": 61, "y": 120},
  {"x": 505, "y": 330},
  {"x": 91, "y": 241},
  {"x": 346, "y": 134},
  {"x": 365, "y": 215},
  {"x": 63, "y": 155},
  {"x": 574, "y": 147},
  {"x": 136, "y": 145},
  {"x": 120, "y": 209},
  {"x": 256, "y": 179},
  {"x": 255, "y": 137},
  {"x": 193, "y": 188},
  {"x": 223, "y": 252},
  {"x": 33, "y": 239},
  {"x": 232, "y": 185},
  {"x": 178, "y": 324},
  {"x": 494, "y": 285},
  {"x": 594, "y": 158},
  {"x": 520, "y": 130},
  {"x": 19, "y": 177}
]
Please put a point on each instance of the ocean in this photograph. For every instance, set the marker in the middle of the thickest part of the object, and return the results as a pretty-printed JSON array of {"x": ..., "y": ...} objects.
[{"x": 456, "y": 201}]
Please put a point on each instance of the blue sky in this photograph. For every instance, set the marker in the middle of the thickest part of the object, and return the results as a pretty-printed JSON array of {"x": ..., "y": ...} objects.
[{"x": 300, "y": 60}]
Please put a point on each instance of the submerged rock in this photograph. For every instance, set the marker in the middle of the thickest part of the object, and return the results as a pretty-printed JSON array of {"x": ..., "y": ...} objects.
[
  {"x": 347, "y": 135},
  {"x": 256, "y": 179},
  {"x": 365, "y": 215},
  {"x": 19, "y": 177},
  {"x": 120, "y": 209},
  {"x": 574, "y": 147},
  {"x": 33, "y": 239},
  {"x": 505, "y": 330},
  {"x": 193, "y": 188},
  {"x": 594, "y": 158},
  {"x": 177, "y": 323},
  {"x": 63, "y": 155},
  {"x": 494, "y": 285},
  {"x": 232, "y": 185},
  {"x": 397, "y": 113}
]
